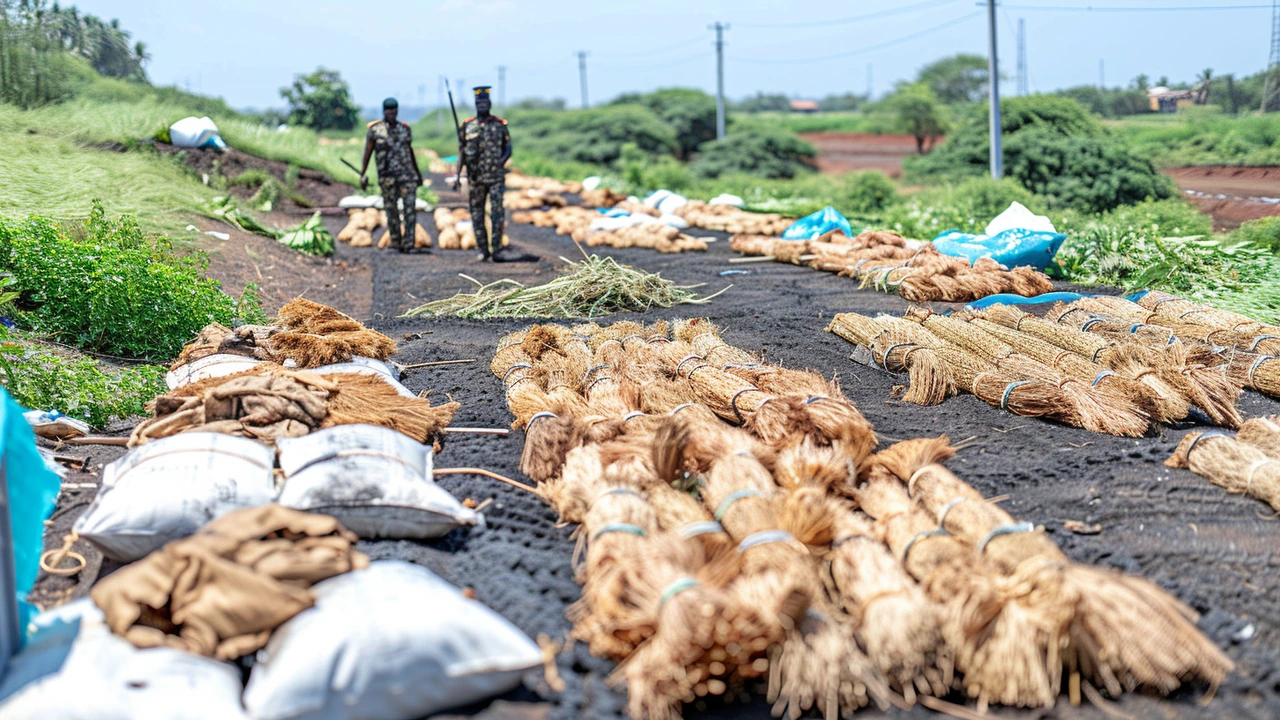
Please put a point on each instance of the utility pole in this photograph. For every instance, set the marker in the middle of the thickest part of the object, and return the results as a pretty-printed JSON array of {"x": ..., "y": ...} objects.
[
  {"x": 439, "y": 104},
  {"x": 582, "y": 75},
  {"x": 1270, "y": 81},
  {"x": 422, "y": 96},
  {"x": 1102, "y": 74},
  {"x": 502, "y": 86},
  {"x": 871, "y": 88},
  {"x": 1023, "y": 84},
  {"x": 720, "y": 28},
  {"x": 993, "y": 84}
]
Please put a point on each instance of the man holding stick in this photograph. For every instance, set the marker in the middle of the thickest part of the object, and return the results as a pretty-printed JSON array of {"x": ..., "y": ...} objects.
[
  {"x": 484, "y": 146},
  {"x": 398, "y": 173}
]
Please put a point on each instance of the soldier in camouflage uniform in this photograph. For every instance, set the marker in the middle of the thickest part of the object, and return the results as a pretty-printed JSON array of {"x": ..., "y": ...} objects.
[
  {"x": 484, "y": 148},
  {"x": 398, "y": 173}
]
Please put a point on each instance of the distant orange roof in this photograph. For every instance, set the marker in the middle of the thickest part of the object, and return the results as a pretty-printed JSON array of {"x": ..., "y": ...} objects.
[{"x": 804, "y": 105}]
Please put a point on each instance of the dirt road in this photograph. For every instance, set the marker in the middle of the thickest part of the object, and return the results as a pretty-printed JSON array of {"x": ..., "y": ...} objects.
[
  {"x": 1232, "y": 195},
  {"x": 848, "y": 152},
  {"x": 1215, "y": 551}
]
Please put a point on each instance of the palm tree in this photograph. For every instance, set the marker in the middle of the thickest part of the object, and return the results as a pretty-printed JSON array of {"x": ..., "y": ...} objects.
[{"x": 1202, "y": 91}]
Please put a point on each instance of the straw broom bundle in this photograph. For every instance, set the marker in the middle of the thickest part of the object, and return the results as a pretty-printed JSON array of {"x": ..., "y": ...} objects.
[
  {"x": 1260, "y": 372},
  {"x": 998, "y": 646},
  {"x": 1165, "y": 305},
  {"x": 1225, "y": 461},
  {"x": 1123, "y": 632},
  {"x": 705, "y": 339},
  {"x": 909, "y": 351},
  {"x": 1020, "y": 395},
  {"x": 1263, "y": 434},
  {"x": 1142, "y": 398},
  {"x": 1095, "y": 410}
]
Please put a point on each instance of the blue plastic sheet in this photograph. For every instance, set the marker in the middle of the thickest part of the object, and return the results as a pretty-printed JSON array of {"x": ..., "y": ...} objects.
[
  {"x": 32, "y": 490},
  {"x": 1006, "y": 299},
  {"x": 1011, "y": 248},
  {"x": 819, "y": 223}
]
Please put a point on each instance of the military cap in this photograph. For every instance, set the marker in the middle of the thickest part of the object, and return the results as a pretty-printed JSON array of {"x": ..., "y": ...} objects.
[
  {"x": 390, "y": 103},
  {"x": 482, "y": 91}
]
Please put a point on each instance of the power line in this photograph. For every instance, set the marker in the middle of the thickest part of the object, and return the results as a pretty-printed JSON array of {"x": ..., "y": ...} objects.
[
  {"x": 666, "y": 63},
  {"x": 658, "y": 51},
  {"x": 855, "y": 18},
  {"x": 869, "y": 48},
  {"x": 1165, "y": 8}
]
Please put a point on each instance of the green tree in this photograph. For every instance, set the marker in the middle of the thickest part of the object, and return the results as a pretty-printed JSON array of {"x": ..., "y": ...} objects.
[
  {"x": 761, "y": 102},
  {"x": 956, "y": 79},
  {"x": 917, "y": 109},
  {"x": 1204, "y": 81},
  {"x": 840, "y": 103},
  {"x": 754, "y": 149},
  {"x": 691, "y": 113},
  {"x": 595, "y": 135},
  {"x": 321, "y": 101}
]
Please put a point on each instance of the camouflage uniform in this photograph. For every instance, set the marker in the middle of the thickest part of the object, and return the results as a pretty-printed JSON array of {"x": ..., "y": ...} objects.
[
  {"x": 397, "y": 177},
  {"x": 485, "y": 140}
]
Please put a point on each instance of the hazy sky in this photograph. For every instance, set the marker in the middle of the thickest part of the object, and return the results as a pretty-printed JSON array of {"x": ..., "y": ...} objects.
[{"x": 244, "y": 50}]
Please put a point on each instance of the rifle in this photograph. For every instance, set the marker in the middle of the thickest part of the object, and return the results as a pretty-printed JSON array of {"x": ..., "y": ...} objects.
[
  {"x": 354, "y": 170},
  {"x": 458, "y": 129}
]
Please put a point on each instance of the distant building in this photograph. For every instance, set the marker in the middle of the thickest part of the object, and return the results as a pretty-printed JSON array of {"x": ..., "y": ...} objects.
[
  {"x": 804, "y": 106},
  {"x": 1168, "y": 101}
]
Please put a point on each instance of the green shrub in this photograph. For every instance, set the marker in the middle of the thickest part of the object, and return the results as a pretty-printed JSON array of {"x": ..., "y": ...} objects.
[
  {"x": 691, "y": 114},
  {"x": 43, "y": 378},
  {"x": 1173, "y": 217},
  {"x": 1088, "y": 173},
  {"x": 967, "y": 206},
  {"x": 114, "y": 289},
  {"x": 754, "y": 149},
  {"x": 321, "y": 101},
  {"x": 1263, "y": 232},
  {"x": 867, "y": 193}
]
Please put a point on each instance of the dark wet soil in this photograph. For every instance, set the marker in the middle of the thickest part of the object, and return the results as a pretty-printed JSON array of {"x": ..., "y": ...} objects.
[{"x": 1215, "y": 551}]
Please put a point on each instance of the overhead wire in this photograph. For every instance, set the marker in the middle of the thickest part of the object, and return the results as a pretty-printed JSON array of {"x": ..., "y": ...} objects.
[
  {"x": 855, "y": 18},
  {"x": 1134, "y": 8},
  {"x": 703, "y": 37},
  {"x": 859, "y": 51}
]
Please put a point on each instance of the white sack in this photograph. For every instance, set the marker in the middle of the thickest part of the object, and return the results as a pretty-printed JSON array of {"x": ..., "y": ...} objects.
[
  {"x": 591, "y": 183},
  {"x": 192, "y": 132},
  {"x": 393, "y": 642},
  {"x": 671, "y": 203},
  {"x": 1018, "y": 217},
  {"x": 209, "y": 366},
  {"x": 727, "y": 199},
  {"x": 674, "y": 221}
]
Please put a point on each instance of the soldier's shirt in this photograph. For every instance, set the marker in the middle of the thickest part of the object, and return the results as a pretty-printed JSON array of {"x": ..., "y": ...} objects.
[
  {"x": 484, "y": 141},
  {"x": 392, "y": 151}
]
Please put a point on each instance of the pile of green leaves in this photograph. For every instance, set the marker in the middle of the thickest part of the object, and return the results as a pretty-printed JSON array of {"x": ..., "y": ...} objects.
[
  {"x": 107, "y": 286},
  {"x": 310, "y": 238},
  {"x": 967, "y": 206},
  {"x": 44, "y": 378},
  {"x": 1263, "y": 232},
  {"x": 225, "y": 209},
  {"x": 1229, "y": 275}
]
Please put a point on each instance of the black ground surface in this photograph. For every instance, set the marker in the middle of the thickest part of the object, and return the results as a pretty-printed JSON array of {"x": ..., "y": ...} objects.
[{"x": 1215, "y": 551}]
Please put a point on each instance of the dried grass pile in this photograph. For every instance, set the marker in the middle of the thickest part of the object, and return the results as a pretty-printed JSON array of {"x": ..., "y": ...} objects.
[
  {"x": 886, "y": 261},
  {"x": 455, "y": 230},
  {"x": 735, "y": 527},
  {"x": 304, "y": 332},
  {"x": 732, "y": 220}
]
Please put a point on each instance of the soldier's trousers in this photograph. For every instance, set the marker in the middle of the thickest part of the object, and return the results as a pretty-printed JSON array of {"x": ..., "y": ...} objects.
[
  {"x": 493, "y": 193},
  {"x": 406, "y": 193}
]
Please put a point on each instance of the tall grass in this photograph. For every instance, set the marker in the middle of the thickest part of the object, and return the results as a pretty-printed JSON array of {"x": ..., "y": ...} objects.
[
  {"x": 1204, "y": 138},
  {"x": 875, "y": 123}
]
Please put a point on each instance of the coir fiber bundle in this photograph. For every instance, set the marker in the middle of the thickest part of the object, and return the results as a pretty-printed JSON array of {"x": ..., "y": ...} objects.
[
  {"x": 1263, "y": 434},
  {"x": 1225, "y": 461},
  {"x": 1170, "y": 306},
  {"x": 315, "y": 335},
  {"x": 1094, "y": 409},
  {"x": 998, "y": 388},
  {"x": 896, "y": 349},
  {"x": 366, "y": 398},
  {"x": 705, "y": 339},
  {"x": 1260, "y": 372},
  {"x": 1123, "y": 632}
]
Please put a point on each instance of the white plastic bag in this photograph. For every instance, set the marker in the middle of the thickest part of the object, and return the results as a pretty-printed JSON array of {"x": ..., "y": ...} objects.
[
  {"x": 54, "y": 425},
  {"x": 727, "y": 199},
  {"x": 671, "y": 203},
  {"x": 674, "y": 221},
  {"x": 193, "y": 132},
  {"x": 170, "y": 488},
  {"x": 74, "y": 668},
  {"x": 657, "y": 196},
  {"x": 209, "y": 366},
  {"x": 1018, "y": 217},
  {"x": 393, "y": 642},
  {"x": 358, "y": 201},
  {"x": 591, "y": 183},
  {"x": 375, "y": 481}
]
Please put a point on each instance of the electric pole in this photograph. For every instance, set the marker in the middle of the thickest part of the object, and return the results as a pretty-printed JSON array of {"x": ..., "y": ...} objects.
[
  {"x": 1023, "y": 85},
  {"x": 1102, "y": 74},
  {"x": 993, "y": 84},
  {"x": 582, "y": 75},
  {"x": 422, "y": 96},
  {"x": 462, "y": 97},
  {"x": 720, "y": 28},
  {"x": 871, "y": 89},
  {"x": 1270, "y": 81},
  {"x": 439, "y": 104}
]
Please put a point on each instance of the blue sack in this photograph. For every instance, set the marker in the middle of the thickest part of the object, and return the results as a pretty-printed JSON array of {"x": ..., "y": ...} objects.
[
  {"x": 819, "y": 223},
  {"x": 1011, "y": 248},
  {"x": 28, "y": 491}
]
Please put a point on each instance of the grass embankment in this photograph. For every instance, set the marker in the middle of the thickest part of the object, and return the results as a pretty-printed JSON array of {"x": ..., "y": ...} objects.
[{"x": 1203, "y": 137}]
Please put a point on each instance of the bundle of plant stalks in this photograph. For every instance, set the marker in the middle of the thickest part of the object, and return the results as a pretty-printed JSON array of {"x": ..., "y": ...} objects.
[
  {"x": 1258, "y": 372},
  {"x": 964, "y": 287},
  {"x": 1114, "y": 631},
  {"x": 1095, "y": 408},
  {"x": 532, "y": 198},
  {"x": 704, "y": 337},
  {"x": 1239, "y": 467},
  {"x": 593, "y": 286},
  {"x": 900, "y": 347},
  {"x": 305, "y": 332},
  {"x": 601, "y": 197},
  {"x": 1165, "y": 305},
  {"x": 361, "y": 222},
  {"x": 1195, "y": 371},
  {"x": 654, "y": 236},
  {"x": 1263, "y": 434},
  {"x": 732, "y": 220},
  {"x": 519, "y": 181},
  {"x": 565, "y": 220},
  {"x": 1153, "y": 368}
]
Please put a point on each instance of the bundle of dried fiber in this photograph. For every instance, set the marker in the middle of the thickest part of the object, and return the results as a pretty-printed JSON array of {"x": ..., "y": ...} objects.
[
  {"x": 1094, "y": 409},
  {"x": 548, "y": 438},
  {"x": 832, "y": 421},
  {"x": 1259, "y": 372},
  {"x": 1124, "y": 632},
  {"x": 1225, "y": 461},
  {"x": 367, "y": 399},
  {"x": 705, "y": 339},
  {"x": 898, "y": 351},
  {"x": 1263, "y": 434},
  {"x": 1165, "y": 305},
  {"x": 708, "y": 638},
  {"x": 1142, "y": 399},
  {"x": 997, "y": 645},
  {"x": 689, "y": 441},
  {"x": 894, "y": 621},
  {"x": 998, "y": 388},
  {"x": 972, "y": 285}
]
